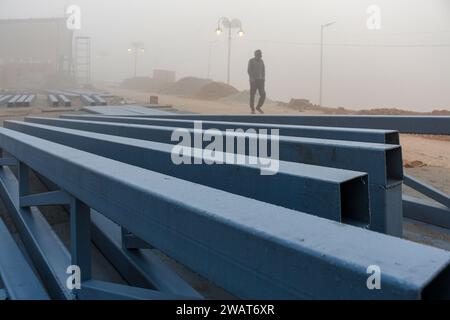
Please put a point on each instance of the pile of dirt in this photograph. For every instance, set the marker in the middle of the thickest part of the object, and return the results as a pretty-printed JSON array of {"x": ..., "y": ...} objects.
[
  {"x": 186, "y": 87},
  {"x": 413, "y": 164},
  {"x": 146, "y": 84},
  {"x": 215, "y": 90}
]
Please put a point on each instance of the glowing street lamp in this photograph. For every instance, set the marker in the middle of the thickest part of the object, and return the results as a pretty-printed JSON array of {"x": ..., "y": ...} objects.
[
  {"x": 136, "y": 47},
  {"x": 230, "y": 25}
]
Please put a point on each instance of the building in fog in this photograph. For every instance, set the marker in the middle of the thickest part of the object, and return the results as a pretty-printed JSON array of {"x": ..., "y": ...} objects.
[
  {"x": 35, "y": 53},
  {"x": 164, "y": 76}
]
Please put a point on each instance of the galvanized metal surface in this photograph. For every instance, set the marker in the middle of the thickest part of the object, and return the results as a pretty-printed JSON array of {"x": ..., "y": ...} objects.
[{"x": 236, "y": 243}]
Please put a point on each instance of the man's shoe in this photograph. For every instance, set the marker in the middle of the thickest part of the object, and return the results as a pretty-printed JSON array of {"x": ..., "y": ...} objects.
[
  {"x": 253, "y": 111},
  {"x": 260, "y": 110}
]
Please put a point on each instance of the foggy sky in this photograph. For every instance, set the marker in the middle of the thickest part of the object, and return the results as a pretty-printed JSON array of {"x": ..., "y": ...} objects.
[{"x": 177, "y": 34}]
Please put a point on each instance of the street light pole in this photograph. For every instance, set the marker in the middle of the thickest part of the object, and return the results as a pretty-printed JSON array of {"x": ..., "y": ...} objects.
[
  {"x": 229, "y": 56},
  {"x": 136, "y": 46},
  {"x": 322, "y": 27},
  {"x": 229, "y": 24}
]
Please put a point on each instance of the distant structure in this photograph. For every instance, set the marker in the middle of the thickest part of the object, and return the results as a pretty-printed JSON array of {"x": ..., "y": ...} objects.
[
  {"x": 164, "y": 76},
  {"x": 35, "y": 52}
]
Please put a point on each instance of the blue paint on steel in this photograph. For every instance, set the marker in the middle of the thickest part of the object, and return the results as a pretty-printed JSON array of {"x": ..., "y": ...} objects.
[
  {"x": 99, "y": 100},
  {"x": 427, "y": 190},
  {"x": 130, "y": 241},
  {"x": 331, "y": 193},
  {"x": 48, "y": 253},
  {"x": 8, "y": 162},
  {"x": 99, "y": 290},
  {"x": 16, "y": 274},
  {"x": 3, "y": 295},
  {"x": 53, "y": 100},
  {"x": 87, "y": 101},
  {"x": 426, "y": 211},
  {"x": 382, "y": 162},
  {"x": 12, "y": 102},
  {"x": 45, "y": 199},
  {"x": 80, "y": 237},
  {"x": 126, "y": 110},
  {"x": 64, "y": 100},
  {"x": 404, "y": 124},
  {"x": 141, "y": 268},
  {"x": 5, "y": 99},
  {"x": 238, "y": 242},
  {"x": 360, "y": 135}
]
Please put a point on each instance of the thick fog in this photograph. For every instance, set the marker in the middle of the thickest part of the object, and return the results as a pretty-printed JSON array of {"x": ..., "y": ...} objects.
[{"x": 404, "y": 64}]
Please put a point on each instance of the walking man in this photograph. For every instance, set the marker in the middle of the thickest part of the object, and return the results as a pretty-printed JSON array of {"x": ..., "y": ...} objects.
[{"x": 257, "y": 74}]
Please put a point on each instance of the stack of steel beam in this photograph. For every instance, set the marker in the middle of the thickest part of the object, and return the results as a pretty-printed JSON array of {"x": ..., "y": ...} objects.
[
  {"x": 87, "y": 100},
  {"x": 53, "y": 100},
  {"x": 64, "y": 100},
  {"x": 12, "y": 102},
  {"x": 299, "y": 234},
  {"x": 99, "y": 100},
  {"x": 4, "y": 99}
]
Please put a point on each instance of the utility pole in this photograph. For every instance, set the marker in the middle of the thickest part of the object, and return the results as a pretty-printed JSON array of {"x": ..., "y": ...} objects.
[{"x": 322, "y": 27}]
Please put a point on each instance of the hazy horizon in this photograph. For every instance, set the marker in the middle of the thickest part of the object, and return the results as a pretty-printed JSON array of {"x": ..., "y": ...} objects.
[{"x": 406, "y": 64}]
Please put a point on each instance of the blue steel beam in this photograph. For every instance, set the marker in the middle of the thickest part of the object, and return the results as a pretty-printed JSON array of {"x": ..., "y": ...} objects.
[
  {"x": 335, "y": 194},
  {"x": 361, "y": 135},
  {"x": 16, "y": 274},
  {"x": 21, "y": 101},
  {"x": 382, "y": 162},
  {"x": 52, "y": 100},
  {"x": 48, "y": 253},
  {"x": 141, "y": 268},
  {"x": 99, "y": 290},
  {"x": 87, "y": 101},
  {"x": 13, "y": 100},
  {"x": 64, "y": 100},
  {"x": 29, "y": 100},
  {"x": 99, "y": 100},
  {"x": 5, "y": 99},
  {"x": 425, "y": 211},
  {"x": 427, "y": 190},
  {"x": 439, "y": 125},
  {"x": 250, "y": 248}
]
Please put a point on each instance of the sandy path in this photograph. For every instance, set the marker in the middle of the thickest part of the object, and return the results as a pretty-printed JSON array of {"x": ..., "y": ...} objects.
[
  {"x": 432, "y": 151},
  {"x": 196, "y": 105}
]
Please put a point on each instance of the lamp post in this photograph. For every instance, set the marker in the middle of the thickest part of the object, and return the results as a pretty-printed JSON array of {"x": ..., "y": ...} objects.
[
  {"x": 136, "y": 47},
  {"x": 322, "y": 27},
  {"x": 230, "y": 25}
]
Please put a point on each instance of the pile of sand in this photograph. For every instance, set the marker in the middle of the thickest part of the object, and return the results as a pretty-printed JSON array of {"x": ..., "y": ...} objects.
[
  {"x": 215, "y": 90},
  {"x": 187, "y": 87}
]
